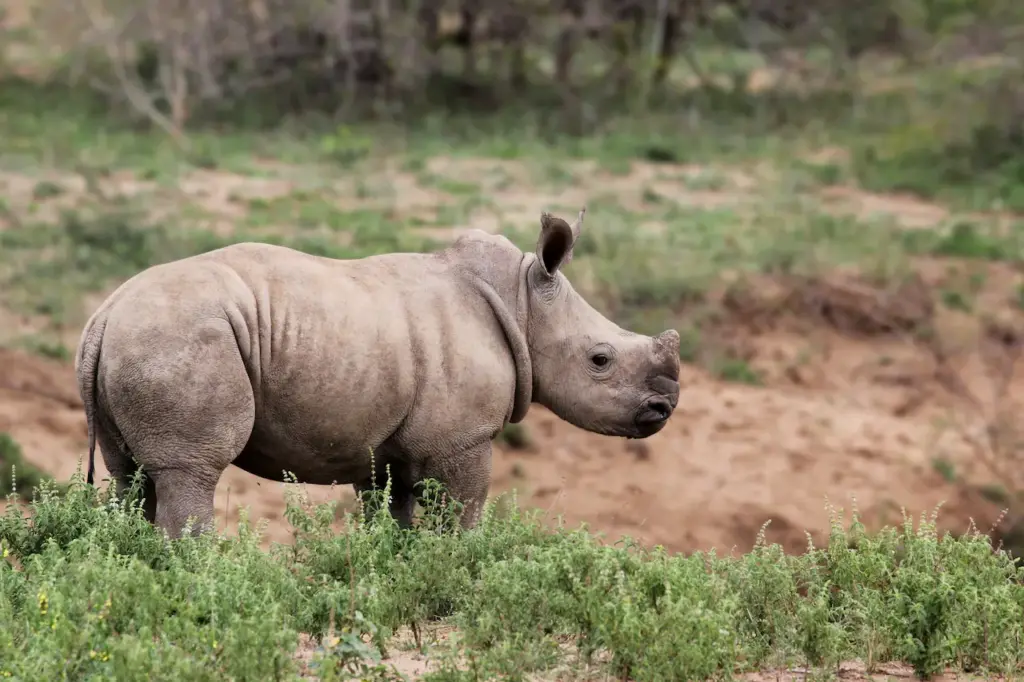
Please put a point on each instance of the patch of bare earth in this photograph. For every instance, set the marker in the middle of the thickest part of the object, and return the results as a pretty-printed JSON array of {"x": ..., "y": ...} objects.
[
  {"x": 906, "y": 210},
  {"x": 513, "y": 191},
  {"x": 517, "y": 195},
  {"x": 856, "y": 670},
  {"x": 404, "y": 656},
  {"x": 414, "y": 662}
]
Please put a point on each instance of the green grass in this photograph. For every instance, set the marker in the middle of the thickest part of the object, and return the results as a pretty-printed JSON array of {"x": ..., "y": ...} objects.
[
  {"x": 339, "y": 195},
  {"x": 88, "y": 590}
]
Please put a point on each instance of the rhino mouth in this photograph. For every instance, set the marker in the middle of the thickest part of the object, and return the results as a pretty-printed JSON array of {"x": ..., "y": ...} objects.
[{"x": 652, "y": 415}]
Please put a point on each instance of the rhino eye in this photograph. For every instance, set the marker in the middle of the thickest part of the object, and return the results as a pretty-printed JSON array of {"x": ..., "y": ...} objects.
[{"x": 599, "y": 360}]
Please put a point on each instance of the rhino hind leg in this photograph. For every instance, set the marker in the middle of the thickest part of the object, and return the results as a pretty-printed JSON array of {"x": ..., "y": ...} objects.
[
  {"x": 185, "y": 414},
  {"x": 123, "y": 467}
]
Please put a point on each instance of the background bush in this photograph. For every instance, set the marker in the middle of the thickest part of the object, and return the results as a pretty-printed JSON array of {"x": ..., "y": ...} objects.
[{"x": 568, "y": 65}]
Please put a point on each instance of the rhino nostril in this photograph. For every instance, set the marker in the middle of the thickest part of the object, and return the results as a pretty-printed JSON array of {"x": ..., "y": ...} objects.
[
  {"x": 656, "y": 410},
  {"x": 661, "y": 406}
]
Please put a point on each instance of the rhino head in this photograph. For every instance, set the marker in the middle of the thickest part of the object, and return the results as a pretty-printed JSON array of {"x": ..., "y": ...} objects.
[{"x": 586, "y": 369}]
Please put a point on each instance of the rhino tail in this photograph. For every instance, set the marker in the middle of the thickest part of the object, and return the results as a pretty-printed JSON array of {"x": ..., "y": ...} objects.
[{"x": 86, "y": 367}]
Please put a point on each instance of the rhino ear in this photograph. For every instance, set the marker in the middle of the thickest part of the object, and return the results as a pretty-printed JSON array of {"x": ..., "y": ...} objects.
[{"x": 554, "y": 247}]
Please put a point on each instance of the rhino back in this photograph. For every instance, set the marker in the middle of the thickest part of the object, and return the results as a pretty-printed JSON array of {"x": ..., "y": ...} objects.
[{"x": 392, "y": 351}]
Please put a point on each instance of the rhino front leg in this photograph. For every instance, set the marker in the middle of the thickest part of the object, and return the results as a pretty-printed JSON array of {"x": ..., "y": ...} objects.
[{"x": 466, "y": 477}]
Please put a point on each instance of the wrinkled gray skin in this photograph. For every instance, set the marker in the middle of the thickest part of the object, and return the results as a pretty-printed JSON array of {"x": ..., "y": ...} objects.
[{"x": 274, "y": 360}]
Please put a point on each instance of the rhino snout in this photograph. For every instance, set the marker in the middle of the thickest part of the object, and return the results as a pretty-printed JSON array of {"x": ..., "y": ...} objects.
[
  {"x": 654, "y": 411},
  {"x": 666, "y": 387}
]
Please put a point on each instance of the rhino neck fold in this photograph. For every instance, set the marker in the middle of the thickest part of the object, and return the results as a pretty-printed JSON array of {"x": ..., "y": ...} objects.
[{"x": 513, "y": 324}]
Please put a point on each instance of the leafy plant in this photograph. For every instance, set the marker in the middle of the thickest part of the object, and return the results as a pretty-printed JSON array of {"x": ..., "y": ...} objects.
[{"x": 88, "y": 585}]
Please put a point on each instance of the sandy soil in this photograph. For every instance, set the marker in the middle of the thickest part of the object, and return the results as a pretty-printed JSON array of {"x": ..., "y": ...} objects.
[{"x": 407, "y": 660}]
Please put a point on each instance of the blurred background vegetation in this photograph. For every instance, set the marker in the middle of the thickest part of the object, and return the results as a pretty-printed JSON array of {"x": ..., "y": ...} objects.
[{"x": 568, "y": 68}]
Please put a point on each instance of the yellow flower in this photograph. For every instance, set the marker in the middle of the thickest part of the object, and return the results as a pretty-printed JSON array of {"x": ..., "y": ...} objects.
[{"x": 104, "y": 610}]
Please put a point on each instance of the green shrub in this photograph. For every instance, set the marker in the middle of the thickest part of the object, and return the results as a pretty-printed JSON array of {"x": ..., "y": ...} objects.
[{"x": 89, "y": 589}]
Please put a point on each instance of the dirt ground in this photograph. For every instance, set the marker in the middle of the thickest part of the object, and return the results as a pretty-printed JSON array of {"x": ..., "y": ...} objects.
[
  {"x": 406, "y": 659},
  {"x": 839, "y": 418}
]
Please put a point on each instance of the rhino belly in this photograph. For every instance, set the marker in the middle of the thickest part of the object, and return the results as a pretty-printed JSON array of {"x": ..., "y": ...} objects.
[{"x": 320, "y": 462}]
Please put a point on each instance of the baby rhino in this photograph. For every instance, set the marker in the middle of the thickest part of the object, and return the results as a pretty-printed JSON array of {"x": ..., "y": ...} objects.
[{"x": 278, "y": 361}]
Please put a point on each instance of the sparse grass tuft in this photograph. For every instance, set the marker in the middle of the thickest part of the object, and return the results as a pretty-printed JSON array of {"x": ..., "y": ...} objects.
[
  {"x": 23, "y": 478},
  {"x": 47, "y": 348},
  {"x": 737, "y": 370}
]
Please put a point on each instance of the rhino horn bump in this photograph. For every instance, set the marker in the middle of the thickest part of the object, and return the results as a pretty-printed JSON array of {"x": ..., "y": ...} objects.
[{"x": 669, "y": 340}]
